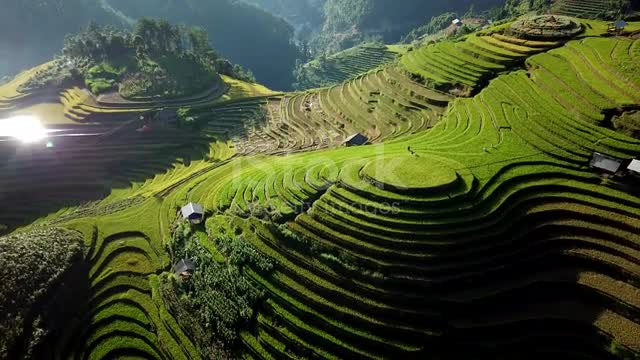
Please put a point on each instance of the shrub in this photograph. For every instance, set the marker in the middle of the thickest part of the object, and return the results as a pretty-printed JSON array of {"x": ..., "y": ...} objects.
[
  {"x": 32, "y": 265},
  {"x": 186, "y": 118}
]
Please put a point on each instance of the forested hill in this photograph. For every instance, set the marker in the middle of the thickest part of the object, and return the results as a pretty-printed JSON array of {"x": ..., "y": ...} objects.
[
  {"x": 347, "y": 22},
  {"x": 241, "y": 32}
]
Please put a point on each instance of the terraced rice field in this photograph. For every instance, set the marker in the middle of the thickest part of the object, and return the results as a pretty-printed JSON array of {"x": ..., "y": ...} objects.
[
  {"x": 345, "y": 65},
  {"x": 471, "y": 225},
  {"x": 458, "y": 262},
  {"x": 581, "y": 8},
  {"x": 96, "y": 149},
  {"x": 324, "y": 118},
  {"x": 467, "y": 65},
  {"x": 86, "y": 168},
  {"x": 125, "y": 315}
]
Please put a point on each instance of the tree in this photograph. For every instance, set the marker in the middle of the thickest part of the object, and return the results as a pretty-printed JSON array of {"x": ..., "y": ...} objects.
[
  {"x": 199, "y": 43},
  {"x": 146, "y": 29}
]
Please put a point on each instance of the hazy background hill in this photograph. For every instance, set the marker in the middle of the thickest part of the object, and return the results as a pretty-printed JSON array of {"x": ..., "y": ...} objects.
[
  {"x": 244, "y": 34},
  {"x": 349, "y": 22},
  {"x": 33, "y": 30},
  {"x": 304, "y": 15}
]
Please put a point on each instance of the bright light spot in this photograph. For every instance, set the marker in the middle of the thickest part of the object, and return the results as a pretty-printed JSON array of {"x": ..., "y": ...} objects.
[{"x": 26, "y": 128}]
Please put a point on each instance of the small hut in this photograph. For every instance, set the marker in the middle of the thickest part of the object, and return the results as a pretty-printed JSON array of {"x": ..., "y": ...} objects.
[
  {"x": 606, "y": 163},
  {"x": 457, "y": 22},
  {"x": 185, "y": 268},
  {"x": 356, "y": 140},
  {"x": 193, "y": 212},
  {"x": 634, "y": 168}
]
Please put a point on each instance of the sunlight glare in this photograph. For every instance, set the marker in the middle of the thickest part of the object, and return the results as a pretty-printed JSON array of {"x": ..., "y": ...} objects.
[{"x": 26, "y": 128}]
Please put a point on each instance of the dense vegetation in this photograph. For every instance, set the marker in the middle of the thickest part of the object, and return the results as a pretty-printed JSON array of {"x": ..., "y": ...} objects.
[
  {"x": 218, "y": 294},
  {"x": 35, "y": 265},
  {"x": 156, "y": 60}
]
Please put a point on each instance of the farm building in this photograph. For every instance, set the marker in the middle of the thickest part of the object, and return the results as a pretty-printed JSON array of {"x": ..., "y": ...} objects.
[
  {"x": 634, "y": 167},
  {"x": 356, "y": 140},
  {"x": 184, "y": 268},
  {"x": 193, "y": 212},
  {"x": 606, "y": 163}
]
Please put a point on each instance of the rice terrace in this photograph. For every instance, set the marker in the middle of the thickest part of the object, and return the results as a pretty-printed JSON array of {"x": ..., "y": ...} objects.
[{"x": 472, "y": 196}]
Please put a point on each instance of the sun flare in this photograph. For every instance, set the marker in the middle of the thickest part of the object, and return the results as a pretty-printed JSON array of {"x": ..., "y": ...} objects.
[{"x": 27, "y": 129}]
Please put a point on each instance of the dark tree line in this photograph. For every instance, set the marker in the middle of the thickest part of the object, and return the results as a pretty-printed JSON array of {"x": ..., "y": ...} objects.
[{"x": 149, "y": 37}]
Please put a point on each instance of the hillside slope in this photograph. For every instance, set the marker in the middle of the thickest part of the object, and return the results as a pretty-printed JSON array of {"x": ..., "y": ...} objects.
[
  {"x": 472, "y": 223},
  {"x": 327, "y": 71},
  {"x": 348, "y": 23}
]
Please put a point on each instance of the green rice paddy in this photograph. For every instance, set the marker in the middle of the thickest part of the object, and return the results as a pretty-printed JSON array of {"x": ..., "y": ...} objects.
[{"x": 472, "y": 223}]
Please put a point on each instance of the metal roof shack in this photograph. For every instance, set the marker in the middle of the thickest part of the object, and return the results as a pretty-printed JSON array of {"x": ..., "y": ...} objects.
[
  {"x": 457, "y": 22},
  {"x": 193, "y": 212},
  {"x": 634, "y": 167},
  {"x": 607, "y": 163},
  {"x": 356, "y": 140}
]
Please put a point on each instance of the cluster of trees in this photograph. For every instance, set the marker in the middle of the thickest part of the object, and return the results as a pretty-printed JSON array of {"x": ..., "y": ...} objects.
[
  {"x": 33, "y": 266},
  {"x": 219, "y": 297},
  {"x": 150, "y": 37},
  {"x": 156, "y": 59}
]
